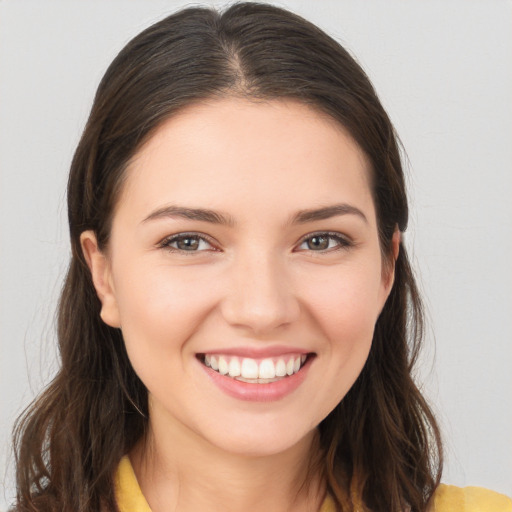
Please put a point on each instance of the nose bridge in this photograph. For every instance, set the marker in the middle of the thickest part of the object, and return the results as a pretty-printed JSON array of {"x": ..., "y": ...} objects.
[{"x": 260, "y": 295}]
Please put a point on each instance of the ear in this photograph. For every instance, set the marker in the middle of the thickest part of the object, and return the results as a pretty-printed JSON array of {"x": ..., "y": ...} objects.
[
  {"x": 388, "y": 276},
  {"x": 99, "y": 265}
]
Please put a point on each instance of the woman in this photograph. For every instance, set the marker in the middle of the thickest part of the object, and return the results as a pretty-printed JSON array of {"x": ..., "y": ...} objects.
[{"x": 239, "y": 321}]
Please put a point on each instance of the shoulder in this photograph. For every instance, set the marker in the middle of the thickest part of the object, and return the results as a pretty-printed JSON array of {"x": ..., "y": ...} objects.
[{"x": 449, "y": 498}]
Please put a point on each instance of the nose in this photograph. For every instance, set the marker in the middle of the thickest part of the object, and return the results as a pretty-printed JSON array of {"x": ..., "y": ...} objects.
[{"x": 261, "y": 296}]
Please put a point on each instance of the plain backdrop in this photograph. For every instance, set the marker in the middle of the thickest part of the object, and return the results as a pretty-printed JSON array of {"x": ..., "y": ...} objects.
[{"x": 443, "y": 70}]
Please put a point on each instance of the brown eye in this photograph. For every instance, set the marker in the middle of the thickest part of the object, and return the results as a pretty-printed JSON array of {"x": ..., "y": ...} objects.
[
  {"x": 318, "y": 243},
  {"x": 324, "y": 242},
  {"x": 185, "y": 242}
]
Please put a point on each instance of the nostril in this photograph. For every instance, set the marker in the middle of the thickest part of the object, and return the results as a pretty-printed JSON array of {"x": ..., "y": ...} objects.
[{"x": 260, "y": 297}]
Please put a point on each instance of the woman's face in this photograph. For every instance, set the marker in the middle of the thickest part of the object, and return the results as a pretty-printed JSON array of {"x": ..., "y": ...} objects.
[{"x": 245, "y": 272}]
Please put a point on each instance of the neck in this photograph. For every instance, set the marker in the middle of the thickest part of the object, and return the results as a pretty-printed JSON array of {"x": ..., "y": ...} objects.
[{"x": 184, "y": 472}]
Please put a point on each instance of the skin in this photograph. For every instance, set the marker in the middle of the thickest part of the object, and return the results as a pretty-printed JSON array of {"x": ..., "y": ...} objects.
[{"x": 259, "y": 282}]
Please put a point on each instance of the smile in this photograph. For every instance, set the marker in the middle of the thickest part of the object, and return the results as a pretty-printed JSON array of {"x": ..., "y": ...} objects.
[{"x": 256, "y": 371}]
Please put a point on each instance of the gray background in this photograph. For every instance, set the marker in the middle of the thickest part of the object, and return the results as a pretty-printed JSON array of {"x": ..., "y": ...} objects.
[{"x": 442, "y": 69}]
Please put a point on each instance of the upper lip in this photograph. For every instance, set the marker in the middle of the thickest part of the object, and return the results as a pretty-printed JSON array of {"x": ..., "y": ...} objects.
[{"x": 258, "y": 352}]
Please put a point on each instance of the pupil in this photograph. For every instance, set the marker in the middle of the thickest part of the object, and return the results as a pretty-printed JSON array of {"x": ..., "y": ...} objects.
[
  {"x": 188, "y": 244},
  {"x": 319, "y": 242}
]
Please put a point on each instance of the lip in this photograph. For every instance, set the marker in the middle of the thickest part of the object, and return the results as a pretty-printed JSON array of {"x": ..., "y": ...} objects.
[
  {"x": 269, "y": 392},
  {"x": 258, "y": 352}
]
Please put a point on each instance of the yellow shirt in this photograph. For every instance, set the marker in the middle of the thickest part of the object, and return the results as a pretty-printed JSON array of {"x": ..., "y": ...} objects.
[{"x": 447, "y": 498}]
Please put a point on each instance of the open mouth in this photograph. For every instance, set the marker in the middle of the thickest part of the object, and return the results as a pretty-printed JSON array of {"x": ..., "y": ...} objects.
[{"x": 255, "y": 371}]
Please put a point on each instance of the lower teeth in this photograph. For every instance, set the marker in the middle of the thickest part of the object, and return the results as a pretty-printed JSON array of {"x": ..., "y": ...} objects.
[{"x": 257, "y": 381}]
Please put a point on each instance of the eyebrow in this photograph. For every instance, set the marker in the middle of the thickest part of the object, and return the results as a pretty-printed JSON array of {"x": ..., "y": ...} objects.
[
  {"x": 215, "y": 217},
  {"x": 182, "y": 212},
  {"x": 303, "y": 216}
]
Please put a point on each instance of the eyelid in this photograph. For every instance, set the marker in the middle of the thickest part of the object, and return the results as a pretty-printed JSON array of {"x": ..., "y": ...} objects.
[
  {"x": 165, "y": 242},
  {"x": 344, "y": 242}
]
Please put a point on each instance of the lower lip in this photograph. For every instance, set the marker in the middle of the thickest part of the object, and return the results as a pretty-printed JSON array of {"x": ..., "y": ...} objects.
[{"x": 269, "y": 392}]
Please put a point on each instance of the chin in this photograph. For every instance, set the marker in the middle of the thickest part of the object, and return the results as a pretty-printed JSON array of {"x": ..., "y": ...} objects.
[{"x": 262, "y": 441}]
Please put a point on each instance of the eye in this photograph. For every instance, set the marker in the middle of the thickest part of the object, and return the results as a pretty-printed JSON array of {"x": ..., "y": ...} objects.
[
  {"x": 323, "y": 242},
  {"x": 187, "y": 242}
]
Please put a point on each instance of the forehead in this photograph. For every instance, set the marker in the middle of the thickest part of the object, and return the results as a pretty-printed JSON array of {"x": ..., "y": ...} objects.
[{"x": 240, "y": 152}]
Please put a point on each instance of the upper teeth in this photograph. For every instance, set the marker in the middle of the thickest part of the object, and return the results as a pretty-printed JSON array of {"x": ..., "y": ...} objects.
[{"x": 247, "y": 368}]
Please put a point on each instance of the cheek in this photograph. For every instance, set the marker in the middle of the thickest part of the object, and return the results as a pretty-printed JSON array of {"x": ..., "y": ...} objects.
[
  {"x": 346, "y": 315},
  {"x": 346, "y": 303},
  {"x": 160, "y": 308},
  {"x": 345, "y": 309}
]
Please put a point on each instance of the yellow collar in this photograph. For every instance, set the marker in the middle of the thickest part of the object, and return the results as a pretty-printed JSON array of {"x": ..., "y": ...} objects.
[
  {"x": 446, "y": 499},
  {"x": 130, "y": 498}
]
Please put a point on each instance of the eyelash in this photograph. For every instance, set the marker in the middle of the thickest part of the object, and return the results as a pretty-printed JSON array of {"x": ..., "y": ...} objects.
[
  {"x": 341, "y": 241},
  {"x": 166, "y": 242}
]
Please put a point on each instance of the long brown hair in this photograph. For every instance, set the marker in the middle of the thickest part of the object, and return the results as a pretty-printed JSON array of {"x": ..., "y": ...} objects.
[{"x": 381, "y": 445}]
